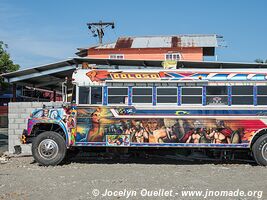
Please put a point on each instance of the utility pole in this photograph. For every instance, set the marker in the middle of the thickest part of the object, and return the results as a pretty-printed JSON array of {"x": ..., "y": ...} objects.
[{"x": 97, "y": 29}]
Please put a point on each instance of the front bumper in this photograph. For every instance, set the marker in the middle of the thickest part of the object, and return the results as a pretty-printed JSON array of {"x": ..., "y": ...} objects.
[{"x": 25, "y": 138}]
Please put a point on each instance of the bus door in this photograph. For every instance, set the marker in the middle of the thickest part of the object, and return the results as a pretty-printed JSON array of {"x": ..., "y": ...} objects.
[{"x": 90, "y": 114}]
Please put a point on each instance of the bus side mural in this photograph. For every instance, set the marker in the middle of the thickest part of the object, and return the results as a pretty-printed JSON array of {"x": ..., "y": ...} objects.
[{"x": 98, "y": 125}]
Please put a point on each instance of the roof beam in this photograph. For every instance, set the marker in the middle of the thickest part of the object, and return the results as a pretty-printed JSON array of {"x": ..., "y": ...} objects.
[{"x": 39, "y": 74}]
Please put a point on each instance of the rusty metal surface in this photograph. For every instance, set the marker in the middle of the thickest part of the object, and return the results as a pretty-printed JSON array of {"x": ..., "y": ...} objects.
[
  {"x": 163, "y": 42},
  {"x": 124, "y": 43},
  {"x": 176, "y": 41}
]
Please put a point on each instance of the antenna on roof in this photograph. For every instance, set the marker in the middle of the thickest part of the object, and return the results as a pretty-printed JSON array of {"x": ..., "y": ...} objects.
[{"x": 97, "y": 29}]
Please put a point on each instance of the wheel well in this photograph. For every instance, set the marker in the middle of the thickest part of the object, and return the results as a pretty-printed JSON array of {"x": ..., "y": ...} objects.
[
  {"x": 42, "y": 127},
  {"x": 257, "y": 135}
]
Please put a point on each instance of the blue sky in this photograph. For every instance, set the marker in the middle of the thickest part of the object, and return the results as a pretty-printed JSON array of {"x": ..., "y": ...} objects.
[{"x": 41, "y": 32}]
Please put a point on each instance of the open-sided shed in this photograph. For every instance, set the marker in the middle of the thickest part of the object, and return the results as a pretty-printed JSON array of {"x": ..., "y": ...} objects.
[{"x": 51, "y": 76}]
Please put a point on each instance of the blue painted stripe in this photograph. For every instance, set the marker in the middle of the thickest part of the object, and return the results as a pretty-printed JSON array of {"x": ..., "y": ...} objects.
[
  {"x": 130, "y": 94},
  {"x": 229, "y": 90},
  {"x": 199, "y": 112},
  {"x": 105, "y": 98},
  {"x": 204, "y": 95},
  {"x": 154, "y": 97},
  {"x": 179, "y": 95},
  {"x": 258, "y": 77},
  {"x": 239, "y": 77},
  {"x": 244, "y": 145},
  {"x": 255, "y": 95},
  {"x": 101, "y": 144},
  {"x": 219, "y": 77}
]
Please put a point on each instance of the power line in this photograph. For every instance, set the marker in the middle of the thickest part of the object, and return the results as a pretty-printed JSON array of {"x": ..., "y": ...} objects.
[{"x": 97, "y": 29}]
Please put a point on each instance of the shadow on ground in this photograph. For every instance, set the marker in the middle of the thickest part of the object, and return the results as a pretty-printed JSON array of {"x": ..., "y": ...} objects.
[{"x": 154, "y": 159}]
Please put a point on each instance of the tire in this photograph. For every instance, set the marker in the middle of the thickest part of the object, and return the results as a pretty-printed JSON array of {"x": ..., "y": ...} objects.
[
  {"x": 49, "y": 148},
  {"x": 259, "y": 150}
]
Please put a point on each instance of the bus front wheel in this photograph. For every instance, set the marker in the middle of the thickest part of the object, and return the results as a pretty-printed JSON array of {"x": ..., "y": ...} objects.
[
  {"x": 259, "y": 150},
  {"x": 49, "y": 148}
]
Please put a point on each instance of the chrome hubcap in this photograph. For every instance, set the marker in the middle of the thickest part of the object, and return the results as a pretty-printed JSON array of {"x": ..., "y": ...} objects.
[
  {"x": 48, "y": 149},
  {"x": 264, "y": 151}
]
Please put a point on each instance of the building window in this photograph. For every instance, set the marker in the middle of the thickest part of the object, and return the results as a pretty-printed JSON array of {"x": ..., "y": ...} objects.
[
  {"x": 173, "y": 56},
  {"x": 242, "y": 95},
  {"x": 116, "y": 56},
  {"x": 191, "y": 95},
  {"x": 216, "y": 95},
  {"x": 166, "y": 95},
  {"x": 142, "y": 95},
  {"x": 117, "y": 95},
  {"x": 262, "y": 95}
]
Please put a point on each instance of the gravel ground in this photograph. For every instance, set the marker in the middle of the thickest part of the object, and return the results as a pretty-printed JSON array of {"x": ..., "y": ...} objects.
[{"x": 22, "y": 178}]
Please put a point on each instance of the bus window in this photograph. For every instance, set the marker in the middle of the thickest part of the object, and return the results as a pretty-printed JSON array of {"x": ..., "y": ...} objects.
[
  {"x": 96, "y": 95},
  {"x": 191, "y": 95},
  {"x": 117, "y": 95},
  {"x": 142, "y": 95},
  {"x": 262, "y": 95},
  {"x": 217, "y": 95},
  {"x": 84, "y": 95},
  {"x": 242, "y": 95},
  {"x": 166, "y": 95}
]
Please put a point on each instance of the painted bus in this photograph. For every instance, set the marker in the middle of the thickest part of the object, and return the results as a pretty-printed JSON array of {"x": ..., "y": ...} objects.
[{"x": 155, "y": 108}]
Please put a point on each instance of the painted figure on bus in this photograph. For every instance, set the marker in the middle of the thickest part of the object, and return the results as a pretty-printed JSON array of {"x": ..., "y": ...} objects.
[
  {"x": 195, "y": 136},
  {"x": 168, "y": 133},
  {"x": 98, "y": 122},
  {"x": 155, "y": 129},
  {"x": 196, "y": 133},
  {"x": 45, "y": 113},
  {"x": 96, "y": 132},
  {"x": 138, "y": 132},
  {"x": 98, "y": 75},
  {"x": 221, "y": 134}
]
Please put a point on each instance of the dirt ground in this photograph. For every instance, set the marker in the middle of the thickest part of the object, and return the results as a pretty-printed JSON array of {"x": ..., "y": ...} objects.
[{"x": 22, "y": 178}]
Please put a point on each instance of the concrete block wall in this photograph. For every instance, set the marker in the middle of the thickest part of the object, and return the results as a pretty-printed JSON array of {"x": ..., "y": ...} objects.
[{"x": 18, "y": 114}]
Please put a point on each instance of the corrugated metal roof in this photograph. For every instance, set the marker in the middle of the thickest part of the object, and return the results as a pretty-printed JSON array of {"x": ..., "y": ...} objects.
[
  {"x": 151, "y": 42},
  {"x": 199, "y": 41},
  {"x": 163, "y": 42},
  {"x": 106, "y": 46}
]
